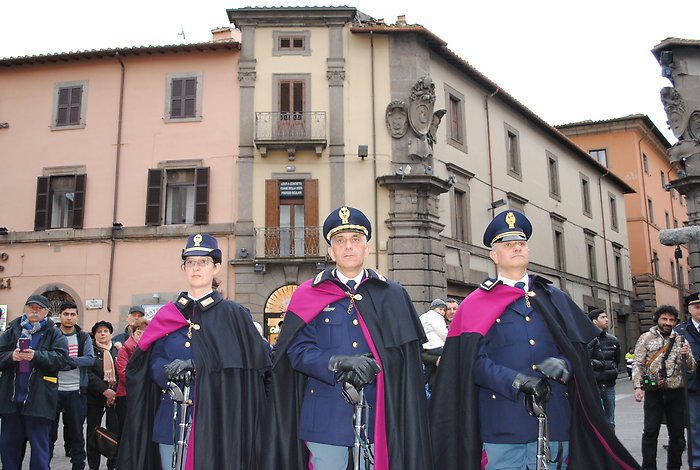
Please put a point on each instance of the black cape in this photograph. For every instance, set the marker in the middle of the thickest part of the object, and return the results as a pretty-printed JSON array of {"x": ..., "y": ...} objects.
[
  {"x": 454, "y": 412},
  {"x": 231, "y": 360},
  {"x": 397, "y": 335}
]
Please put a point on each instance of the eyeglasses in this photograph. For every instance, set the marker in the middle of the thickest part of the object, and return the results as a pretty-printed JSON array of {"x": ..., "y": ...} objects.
[{"x": 202, "y": 263}]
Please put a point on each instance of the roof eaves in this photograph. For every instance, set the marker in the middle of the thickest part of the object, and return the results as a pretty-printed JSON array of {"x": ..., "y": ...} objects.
[
  {"x": 125, "y": 51},
  {"x": 670, "y": 43},
  {"x": 440, "y": 46},
  {"x": 648, "y": 123}
]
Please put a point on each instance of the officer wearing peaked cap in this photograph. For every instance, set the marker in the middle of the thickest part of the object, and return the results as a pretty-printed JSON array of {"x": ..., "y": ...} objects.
[
  {"x": 518, "y": 336},
  {"x": 349, "y": 325},
  {"x": 210, "y": 343},
  {"x": 690, "y": 329}
]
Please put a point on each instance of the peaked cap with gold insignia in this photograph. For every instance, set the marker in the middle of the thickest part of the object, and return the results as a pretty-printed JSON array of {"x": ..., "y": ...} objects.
[
  {"x": 346, "y": 219},
  {"x": 507, "y": 226},
  {"x": 202, "y": 244},
  {"x": 692, "y": 299}
]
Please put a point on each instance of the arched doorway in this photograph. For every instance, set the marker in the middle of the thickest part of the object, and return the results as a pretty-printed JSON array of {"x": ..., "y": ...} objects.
[
  {"x": 275, "y": 308},
  {"x": 56, "y": 297}
]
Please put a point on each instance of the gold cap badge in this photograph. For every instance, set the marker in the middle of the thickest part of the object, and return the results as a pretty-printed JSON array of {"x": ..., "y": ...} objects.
[
  {"x": 510, "y": 220},
  {"x": 197, "y": 239},
  {"x": 344, "y": 214}
]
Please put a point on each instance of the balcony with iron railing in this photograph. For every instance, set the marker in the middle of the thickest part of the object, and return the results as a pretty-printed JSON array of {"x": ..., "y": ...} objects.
[
  {"x": 291, "y": 131},
  {"x": 288, "y": 242}
]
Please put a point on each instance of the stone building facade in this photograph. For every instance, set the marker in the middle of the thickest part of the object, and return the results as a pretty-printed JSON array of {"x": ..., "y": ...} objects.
[{"x": 425, "y": 145}]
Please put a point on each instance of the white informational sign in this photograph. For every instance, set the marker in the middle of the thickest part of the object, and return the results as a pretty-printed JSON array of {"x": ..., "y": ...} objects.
[
  {"x": 93, "y": 304},
  {"x": 151, "y": 309},
  {"x": 3, "y": 317}
]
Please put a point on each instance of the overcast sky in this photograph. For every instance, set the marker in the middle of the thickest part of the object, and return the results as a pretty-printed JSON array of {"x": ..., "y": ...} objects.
[{"x": 566, "y": 61}]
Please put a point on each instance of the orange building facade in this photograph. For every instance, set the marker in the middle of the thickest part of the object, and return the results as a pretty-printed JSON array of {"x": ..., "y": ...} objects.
[{"x": 635, "y": 150}]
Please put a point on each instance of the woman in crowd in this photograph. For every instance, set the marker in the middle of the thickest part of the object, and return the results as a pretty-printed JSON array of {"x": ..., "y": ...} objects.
[{"x": 102, "y": 384}]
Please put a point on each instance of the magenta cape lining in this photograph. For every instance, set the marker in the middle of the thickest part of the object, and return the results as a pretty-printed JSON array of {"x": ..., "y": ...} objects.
[
  {"x": 481, "y": 308},
  {"x": 307, "y": 302}
]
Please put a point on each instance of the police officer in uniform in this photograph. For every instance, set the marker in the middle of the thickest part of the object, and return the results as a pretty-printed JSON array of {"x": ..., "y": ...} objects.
[
  {"x": 349, "y": 324},
  {"x": 518, "y": 336},
  {"x": 209, "y": 343}
]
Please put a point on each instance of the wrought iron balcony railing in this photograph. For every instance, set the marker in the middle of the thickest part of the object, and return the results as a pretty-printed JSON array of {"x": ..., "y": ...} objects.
[
  {"x": 291, "y": 130},
  {"x": 288, "y": 242},
  {"x": 307, "y": 125}
]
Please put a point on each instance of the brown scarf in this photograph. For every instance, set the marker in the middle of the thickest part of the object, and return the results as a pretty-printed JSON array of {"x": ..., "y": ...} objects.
[{"x": 107, "y": 363}]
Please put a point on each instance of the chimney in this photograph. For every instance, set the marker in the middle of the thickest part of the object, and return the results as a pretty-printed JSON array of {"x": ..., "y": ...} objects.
[
  {"x": 225, "y": 34},
  {"x": 401, "y": 20}
]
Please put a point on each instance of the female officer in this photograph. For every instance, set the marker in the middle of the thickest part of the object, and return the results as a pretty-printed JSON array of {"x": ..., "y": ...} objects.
[{"x": 213, "y": 340}]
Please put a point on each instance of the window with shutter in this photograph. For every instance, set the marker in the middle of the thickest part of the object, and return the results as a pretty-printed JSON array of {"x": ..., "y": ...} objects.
[
  {"x": 79, "y": 201},
  {"x": 60, "y": 202},
  {"x": 154, "y": 196},
  {"x": 201, "y": 196},
  {"x": 41, "y": 213},
  {"x": 183, "y": 97},
  {"x": 178, "y": 196},
  {"x": 69, "y": 105},
  {"x": 291, "y": 218}
]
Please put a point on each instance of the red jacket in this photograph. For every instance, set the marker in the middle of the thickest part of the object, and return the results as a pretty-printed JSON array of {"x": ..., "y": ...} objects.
[{"x": 122, "y": 360}]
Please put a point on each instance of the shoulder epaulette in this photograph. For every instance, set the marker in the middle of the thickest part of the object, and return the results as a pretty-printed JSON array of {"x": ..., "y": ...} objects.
[
  {"x": 318, "y": 277},
  {"x": 370, "y": 273},
  {"x": 488, "y": 284}
]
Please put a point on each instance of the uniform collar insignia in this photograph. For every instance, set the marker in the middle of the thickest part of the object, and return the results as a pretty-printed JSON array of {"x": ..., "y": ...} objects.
[
  {"x": 183, "y": 300},
  {"x": 207, "y": 301},
  {"x": 323, "y": 276},
  {"x": 488, "y": 284}
]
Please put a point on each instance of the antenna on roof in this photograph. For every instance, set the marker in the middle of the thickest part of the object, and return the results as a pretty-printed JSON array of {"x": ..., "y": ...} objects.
[{"x": 182, "y": 33}]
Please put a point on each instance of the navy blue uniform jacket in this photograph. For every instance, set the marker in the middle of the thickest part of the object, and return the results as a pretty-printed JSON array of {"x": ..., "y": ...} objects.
[
  {"x": 396, "y": 336},
  {"x": 230, "y": 360},
  {"x": 454, "y": 412}
]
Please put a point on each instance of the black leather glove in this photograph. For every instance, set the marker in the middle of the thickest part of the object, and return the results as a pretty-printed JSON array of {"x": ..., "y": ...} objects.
[
  {"x": 555, "y": 369},
  {"x": 538, "y": 387},
  {"x": 177, "y": 371},
  {"x": 356, "y": 370}
]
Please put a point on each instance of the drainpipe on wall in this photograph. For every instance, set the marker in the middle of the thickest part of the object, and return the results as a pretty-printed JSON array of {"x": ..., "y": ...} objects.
[
  {"x": 488, "y": 149},
  {"x": 605, "y": 249},
  {"x": 374, "y": 157},
  {"x": 116, "y": 180}
]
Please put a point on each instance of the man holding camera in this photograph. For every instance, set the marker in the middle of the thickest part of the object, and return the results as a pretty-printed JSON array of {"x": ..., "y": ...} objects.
[{"x": 657, "y": 375}]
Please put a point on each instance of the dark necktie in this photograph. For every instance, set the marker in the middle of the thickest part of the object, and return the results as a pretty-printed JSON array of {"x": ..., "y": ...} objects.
[
  {"x": 520, "y": 285},
  {"x": 351, "y": 285}
]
